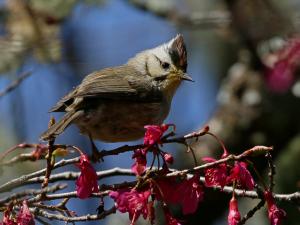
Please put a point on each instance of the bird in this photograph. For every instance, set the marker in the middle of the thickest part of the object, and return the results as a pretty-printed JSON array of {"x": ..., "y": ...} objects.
[{"x": 114, "y": 104}]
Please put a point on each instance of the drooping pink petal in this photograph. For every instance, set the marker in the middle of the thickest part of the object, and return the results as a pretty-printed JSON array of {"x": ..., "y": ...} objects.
[
  {"x": 132, "y": 201},
  {"x": 241, "y": 175},
  {"x": 86, "y": 184},
  {"x": 154, "y": 133},
  {"x": 234, "y": 215},
  {"x": 187, "y": 193},
  {"x": 191, "y": 193},
  {"x": 140, "y": 162},
  {"x": 276, "y": 215},
  {"x": 216, "y": 175},
  {"x": 25, "y": 217}
]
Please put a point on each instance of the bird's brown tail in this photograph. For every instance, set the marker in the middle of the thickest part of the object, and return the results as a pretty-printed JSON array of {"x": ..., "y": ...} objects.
[{"x": 61, "y": 125}]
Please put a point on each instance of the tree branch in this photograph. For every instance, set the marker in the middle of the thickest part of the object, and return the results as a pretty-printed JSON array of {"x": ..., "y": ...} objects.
[
  {"x": 251, "y": 212},
  {"x": 19, "y": 195},
  {"x": 15, "y": 83},
  {"x": 88, "y": 217},
  {"x": 293, "y": 197}
]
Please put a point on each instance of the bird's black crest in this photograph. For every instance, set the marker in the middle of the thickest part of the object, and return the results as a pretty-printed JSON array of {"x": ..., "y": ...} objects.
[{"x": 178, "y": 53}]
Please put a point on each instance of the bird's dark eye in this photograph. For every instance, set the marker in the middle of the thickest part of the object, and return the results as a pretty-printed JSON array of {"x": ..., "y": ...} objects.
[{"x": 165, "y": 65}]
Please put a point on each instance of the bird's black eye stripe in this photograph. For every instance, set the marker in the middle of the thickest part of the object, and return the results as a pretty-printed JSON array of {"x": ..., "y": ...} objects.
[{"x": 165, "y": 65}]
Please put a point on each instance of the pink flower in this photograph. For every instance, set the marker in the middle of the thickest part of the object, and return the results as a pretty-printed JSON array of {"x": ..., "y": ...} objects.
[
  {"x": 86, "y": 184},
  {"x": 168, "y": 158},
  {"x": 25, "y": 217},
  {"x": 240, "y": 174},
  {"x": 154, "y": 133},
  {"x": 281, "y": 76},
  {"x": 275, "y": 214},
  {"x": 216, "y": 175},
  {"x": 191, "y": 193},
  {"x": 234, "y": 215},
  {"x": 140, "y": 161},
  {"x": 132, "y": 201}
]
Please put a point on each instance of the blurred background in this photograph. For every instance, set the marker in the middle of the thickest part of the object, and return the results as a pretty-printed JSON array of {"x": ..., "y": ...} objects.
[{"x": 244, "y": 56}]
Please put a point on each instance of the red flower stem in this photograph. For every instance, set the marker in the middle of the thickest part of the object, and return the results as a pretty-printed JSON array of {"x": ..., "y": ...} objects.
[
  {"x": 225, "y": 153},
  {"x": 193, "y": 154},
  {"x": 162, "y": 156},
  {"x": 258, "y": 174},
  {"x": 158, "y": 161},
  {"x": 233, "y": 189},
  {"x": 75, "y": 148},
  {"x": 153, "y": 160}
]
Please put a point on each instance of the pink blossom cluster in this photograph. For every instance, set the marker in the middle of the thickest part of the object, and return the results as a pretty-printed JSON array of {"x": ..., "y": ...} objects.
[
  {"x": 136, "y": 201},
  {"x": 187, "y": 193},
  {"x": 224, "y": 174},
  {"x": 183, "y": 191}
]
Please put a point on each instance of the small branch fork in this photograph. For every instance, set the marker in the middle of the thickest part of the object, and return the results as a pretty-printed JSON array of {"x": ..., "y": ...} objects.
[{"x": 35, "y": 197}]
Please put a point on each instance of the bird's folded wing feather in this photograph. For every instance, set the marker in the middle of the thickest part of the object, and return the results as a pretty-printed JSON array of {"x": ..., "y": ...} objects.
[{"x": 112, "y": 84}]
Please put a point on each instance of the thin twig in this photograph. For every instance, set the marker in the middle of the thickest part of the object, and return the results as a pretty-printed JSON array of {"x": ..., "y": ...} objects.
[
  {"x": 294, "y": 197},
  {"x": 21, "y": 180},
  {"x": 71, "y": 194},
  {"x": 252, "y": 212},
  {"x": 19, "y": 158},
  {"x": 116, "y": 151},
  {"x": 41, "y": 221},
  {"x": 68, "y": 175},
  {"x": 242, "y": 156},
  {"x": 88, "y": 217},
  {"x": 271, "y": 172},
  {"x": 28, "y": 192},
  {"x": 14, "y": 84},
  {"x": 50, "y": 160}
]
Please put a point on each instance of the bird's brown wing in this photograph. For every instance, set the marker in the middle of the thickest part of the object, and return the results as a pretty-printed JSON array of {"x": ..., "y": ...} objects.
[{"x": 118, "y": 83}]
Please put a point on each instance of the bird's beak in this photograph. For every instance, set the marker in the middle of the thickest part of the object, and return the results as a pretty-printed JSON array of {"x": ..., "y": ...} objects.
[{"x": 185, "y": 76}]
